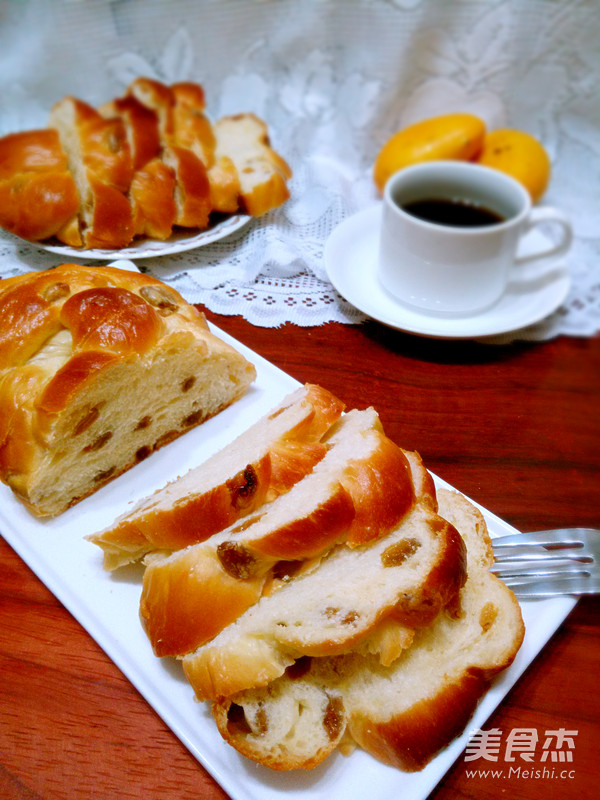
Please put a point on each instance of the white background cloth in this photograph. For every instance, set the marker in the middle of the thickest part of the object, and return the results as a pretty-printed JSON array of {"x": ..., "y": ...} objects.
[{"x": 333, "y": 79}]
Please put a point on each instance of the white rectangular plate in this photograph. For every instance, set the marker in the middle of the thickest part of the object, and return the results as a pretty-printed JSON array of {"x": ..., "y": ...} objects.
[{"x": 107, "y": 607}]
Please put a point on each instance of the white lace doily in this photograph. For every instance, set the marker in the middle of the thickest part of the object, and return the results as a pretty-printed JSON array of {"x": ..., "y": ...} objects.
[{"x": 333, "y": 79}]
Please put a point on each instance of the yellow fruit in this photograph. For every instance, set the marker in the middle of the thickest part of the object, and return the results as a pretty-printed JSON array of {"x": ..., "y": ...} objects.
[
  {"x": 450, "y": 136},
  {"x": 520, "y": 155}
]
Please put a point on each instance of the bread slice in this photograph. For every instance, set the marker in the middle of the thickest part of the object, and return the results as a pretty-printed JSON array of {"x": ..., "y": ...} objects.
[
  {"x": 100, "y": 161},
  {"x": 192, "y": 189},
  {"x": 192, "y": 128},
  {"x": 407, "y": 576},
  {"x": 403, "y": 714},
  {"x": 152, "y": 197},
  {"x": 174, "y": 109},
  {"x": 98, "y": 368},
  {"x": 141, "y": 128},
  {"x": 260, "y": 464},
  {"x": 152, "y": 189},
  {"x": 242, "y": 140},
  {"x": 158, "y": 98},
  {"x": 356, "y": 493},
  {"x": 295, "y": 722}
]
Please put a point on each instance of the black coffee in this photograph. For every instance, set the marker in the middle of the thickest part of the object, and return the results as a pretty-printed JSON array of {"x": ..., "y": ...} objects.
[{"x": 457, "y": 213}]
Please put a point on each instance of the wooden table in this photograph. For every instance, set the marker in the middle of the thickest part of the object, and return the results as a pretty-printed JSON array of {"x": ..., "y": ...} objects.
[{"x": 517, "y": 428}]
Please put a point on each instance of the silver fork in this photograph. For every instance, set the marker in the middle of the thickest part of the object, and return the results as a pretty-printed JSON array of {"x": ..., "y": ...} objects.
[{"x": 549, "y": 563}]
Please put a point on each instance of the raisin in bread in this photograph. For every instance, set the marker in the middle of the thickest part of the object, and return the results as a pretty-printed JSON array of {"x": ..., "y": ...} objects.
[
  {"x": 358, "y": 492},
  {"x": 262, "y": 463},
  {"x": 98, "y": 368},
  {"x": 406, "y": 577},
  {"x": 402, "y": 714}
]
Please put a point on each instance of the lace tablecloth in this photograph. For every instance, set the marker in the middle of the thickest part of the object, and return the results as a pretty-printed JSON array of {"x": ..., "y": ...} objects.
[{"x": 333, "y": 79}]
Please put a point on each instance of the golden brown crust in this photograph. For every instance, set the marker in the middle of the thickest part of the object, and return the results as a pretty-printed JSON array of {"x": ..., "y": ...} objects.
[
  {"x": 110, "y": 221},
  {"x": 187, "y": 604},
  {"x": 192, "y": 190},
  {"x": 409, "y": 741},
  {"x": 31, "y": 151},
  {"x": 38, "y": 195},
  {"x": 17, "y": 417},
  {"x": 382, "y": 490},
  {"x": 197, "y": 518},
  {"x": 192, "y": 128},
  {"x": 156, "y": 97},
  {"x": 152, "y": 194},
  {"x": 105, "y": 150},
  {"x": 140, "y": 125},
  {"x": 309, "y": 536}
]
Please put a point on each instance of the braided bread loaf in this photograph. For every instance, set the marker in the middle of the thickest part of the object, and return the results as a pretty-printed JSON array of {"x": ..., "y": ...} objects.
[
  {"x": 98, "y": 368},
  {"x": 145, "y": 164}
]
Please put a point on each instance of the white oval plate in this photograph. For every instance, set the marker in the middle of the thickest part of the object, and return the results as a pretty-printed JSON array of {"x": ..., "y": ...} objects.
[
  {"x": 351, "y": 264},
  {"x": 150, "y": 248}
]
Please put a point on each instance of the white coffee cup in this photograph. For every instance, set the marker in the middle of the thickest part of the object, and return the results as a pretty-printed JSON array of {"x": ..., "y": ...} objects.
[{"x": 449, "y": 269}]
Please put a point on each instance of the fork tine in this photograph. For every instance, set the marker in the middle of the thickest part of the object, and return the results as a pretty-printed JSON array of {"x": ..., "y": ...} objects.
[
  {"x": 508, "y": 568},
  {"x": 553, "y": 587},
  {"x": 535, "y": 554},
  {"x": 549, "y": 563},
  {"x": 559, "y": 536}
]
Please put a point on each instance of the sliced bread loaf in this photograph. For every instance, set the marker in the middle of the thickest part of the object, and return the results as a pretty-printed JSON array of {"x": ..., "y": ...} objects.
[
  {"x": 402, "y": 714},
  {"x": 260, "y": 464},
  {"x": 179, "y": 124},
  {"x": 408, "y": 576},
  {"x": 358, "y": 492}
]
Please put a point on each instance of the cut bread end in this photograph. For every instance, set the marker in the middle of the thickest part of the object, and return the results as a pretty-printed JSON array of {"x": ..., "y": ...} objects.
[{"x": 259, "y": 465}]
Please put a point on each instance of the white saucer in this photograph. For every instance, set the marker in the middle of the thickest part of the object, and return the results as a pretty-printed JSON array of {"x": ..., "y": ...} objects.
[
  {"x": 351, "y": 264},
  {"x": 150, "y": 248}
]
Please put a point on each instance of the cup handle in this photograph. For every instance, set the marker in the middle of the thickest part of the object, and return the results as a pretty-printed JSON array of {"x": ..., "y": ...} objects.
[{"x": 547, "y": 214}]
